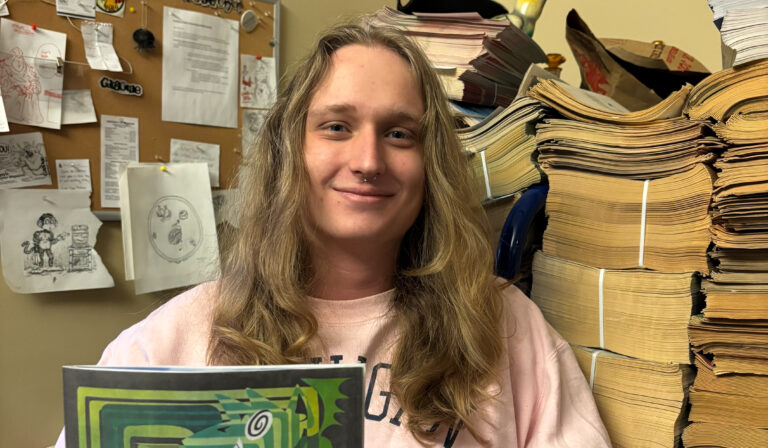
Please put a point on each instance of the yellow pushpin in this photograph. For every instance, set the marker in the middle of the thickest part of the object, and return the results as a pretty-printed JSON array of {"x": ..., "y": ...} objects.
[
  {"x": 162, "y": 168},
  {"x": 131, "y": 9}
]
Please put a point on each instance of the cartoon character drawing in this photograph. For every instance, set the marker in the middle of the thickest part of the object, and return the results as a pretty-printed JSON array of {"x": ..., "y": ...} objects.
[
  {"x": 32, "y": 160},
  {"x": 21, "y": 88},
  {"x": 43, "y": 240}
]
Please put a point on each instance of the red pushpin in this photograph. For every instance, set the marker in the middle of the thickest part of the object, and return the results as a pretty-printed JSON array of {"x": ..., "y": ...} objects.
[
  {"x": 258, "y": 56},
  {"x": 34, "y": 26}
]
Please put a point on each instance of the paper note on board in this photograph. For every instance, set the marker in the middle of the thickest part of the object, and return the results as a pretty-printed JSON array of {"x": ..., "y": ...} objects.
[
  {"x": 74, "y": 174},
  {"x": 199, "y": 68},
  {"x": 189, "y": 151},
  {"x": 119, "y": 145},
  {"x": 47, "y": 240},
  {"x": 30, "y": 82}
]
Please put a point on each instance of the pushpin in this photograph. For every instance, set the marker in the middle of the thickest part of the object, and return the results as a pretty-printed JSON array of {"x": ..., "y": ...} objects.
[
  {"x": 34, "y": 26},
  {"x": 131, "y": 9},
  {"x": 162, "y": 168},
  {"x": 258, "y": 56}
]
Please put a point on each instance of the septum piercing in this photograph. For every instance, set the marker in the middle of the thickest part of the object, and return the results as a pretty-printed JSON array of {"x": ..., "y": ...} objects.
[{"x": 365, "y": 180}]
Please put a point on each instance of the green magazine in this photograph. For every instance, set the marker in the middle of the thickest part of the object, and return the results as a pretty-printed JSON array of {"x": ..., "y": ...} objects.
[{"x": 307, "y": 406}]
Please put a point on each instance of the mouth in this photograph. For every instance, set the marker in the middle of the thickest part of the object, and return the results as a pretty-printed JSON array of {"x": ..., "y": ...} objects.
[{"x": 363, "y": 195}]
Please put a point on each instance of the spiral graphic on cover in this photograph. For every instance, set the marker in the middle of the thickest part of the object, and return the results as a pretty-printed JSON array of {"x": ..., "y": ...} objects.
[{"x": 258, "y": 425}]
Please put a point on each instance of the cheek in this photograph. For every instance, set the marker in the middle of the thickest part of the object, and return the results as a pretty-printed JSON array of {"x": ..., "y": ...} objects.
[{"x": 411, "y": 171}]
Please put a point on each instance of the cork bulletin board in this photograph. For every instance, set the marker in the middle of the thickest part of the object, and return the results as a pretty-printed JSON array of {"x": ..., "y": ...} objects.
[{"x": 82, "y": 141}]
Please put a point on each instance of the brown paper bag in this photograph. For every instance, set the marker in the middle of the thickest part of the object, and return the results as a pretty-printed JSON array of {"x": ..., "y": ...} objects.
[
  {"x": 663, "y": 68},
  {"x": 600, "y": 73}
]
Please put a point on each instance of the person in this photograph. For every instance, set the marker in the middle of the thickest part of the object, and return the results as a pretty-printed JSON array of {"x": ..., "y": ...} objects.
[{"x": 359, "y": 241}]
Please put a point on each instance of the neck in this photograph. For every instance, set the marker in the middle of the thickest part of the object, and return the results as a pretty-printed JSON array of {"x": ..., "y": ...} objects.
[{"x": 352, "y": 270}]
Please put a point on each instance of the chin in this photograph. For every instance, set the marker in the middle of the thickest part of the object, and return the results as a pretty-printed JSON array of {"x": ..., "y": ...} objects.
[{"x": 363, "y": 233}]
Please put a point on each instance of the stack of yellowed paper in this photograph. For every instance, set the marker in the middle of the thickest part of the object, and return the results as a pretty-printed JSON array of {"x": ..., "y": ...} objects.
[
  {"x": 737, "y": 346},
  {"x": 627, "y": 234},
  {"x": 583, "y": 105},
  {"x": 502, "y": 149},
  {"x": 641, "y": 402},
  {"x": 648, "y": 151},
  {"x": 615, "y": 223},
  {"x": 729, "y": 92},
  {"x": 727, "y": 410},
  {"x": 730, "y": 337},
  {"x": 744, "y": 129},
  {"x": 634, "y": 312}
]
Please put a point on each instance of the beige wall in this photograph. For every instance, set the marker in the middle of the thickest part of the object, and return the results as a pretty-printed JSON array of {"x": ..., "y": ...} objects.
[{"x": 41, "y": 332}]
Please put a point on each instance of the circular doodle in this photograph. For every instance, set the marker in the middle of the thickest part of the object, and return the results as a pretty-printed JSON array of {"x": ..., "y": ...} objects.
[
  {"x": 258, "y": 425},
  {"x": 174, "y": 228}
]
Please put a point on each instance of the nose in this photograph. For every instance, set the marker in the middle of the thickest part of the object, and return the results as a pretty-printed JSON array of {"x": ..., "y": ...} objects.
[{"x": 367, "y": 154}]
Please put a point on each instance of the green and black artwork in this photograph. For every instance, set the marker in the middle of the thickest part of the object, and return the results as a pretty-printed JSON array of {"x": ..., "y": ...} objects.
[{"x": 313, "y": 406}]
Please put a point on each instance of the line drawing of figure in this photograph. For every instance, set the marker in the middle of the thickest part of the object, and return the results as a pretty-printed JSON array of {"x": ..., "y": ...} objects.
[
  {"x": 21, "y": 88},
  {"x": 32, "y": 161},
  {"x": 43, "y": 241}
]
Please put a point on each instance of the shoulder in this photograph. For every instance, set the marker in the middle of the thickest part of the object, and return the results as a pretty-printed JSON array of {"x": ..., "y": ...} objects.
[
  {"x": 555, "y": 407},
  {"x": 176, "y": 333},
  {"x": 524, "y": 327}
]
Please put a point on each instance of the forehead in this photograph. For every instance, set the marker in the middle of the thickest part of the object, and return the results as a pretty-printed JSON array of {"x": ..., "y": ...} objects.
[{"x": 369, "y": 76}]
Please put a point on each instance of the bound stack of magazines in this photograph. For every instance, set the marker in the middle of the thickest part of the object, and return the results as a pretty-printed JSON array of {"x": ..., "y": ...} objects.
[
  {"x": 731, "y": 335},
  {"x": 627, "y": 234}
]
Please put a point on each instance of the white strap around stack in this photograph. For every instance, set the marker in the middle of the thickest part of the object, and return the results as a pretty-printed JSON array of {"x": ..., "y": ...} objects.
[
  {"x": 641, "y": 255},
  {"x": 485, "y": 176},
  {"x": 592, "y": 368},
  {"x": 600, "y": 304}
]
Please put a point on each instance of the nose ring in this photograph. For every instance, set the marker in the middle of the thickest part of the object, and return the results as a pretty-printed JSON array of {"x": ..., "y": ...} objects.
[{"x": 365, "y": 180}]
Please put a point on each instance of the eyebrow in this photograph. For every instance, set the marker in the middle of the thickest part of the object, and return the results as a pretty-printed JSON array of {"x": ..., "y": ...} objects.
[{"x": 342, "y": 108}]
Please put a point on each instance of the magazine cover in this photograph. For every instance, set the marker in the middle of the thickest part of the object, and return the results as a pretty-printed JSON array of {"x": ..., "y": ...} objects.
[{"x": 304, "y": 406}]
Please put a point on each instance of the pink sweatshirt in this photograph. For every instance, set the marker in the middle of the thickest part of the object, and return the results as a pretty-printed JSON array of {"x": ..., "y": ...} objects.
[{"x": 544, "y": 399}]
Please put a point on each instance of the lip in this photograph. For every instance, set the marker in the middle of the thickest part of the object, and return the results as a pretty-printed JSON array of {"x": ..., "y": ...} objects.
[{"x": 363, "y": 195}]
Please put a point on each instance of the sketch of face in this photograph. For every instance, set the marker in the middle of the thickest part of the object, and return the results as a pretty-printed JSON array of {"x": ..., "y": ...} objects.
[
  {"x": 17, "y": 59},
  {"x": 49, "y": 226}
]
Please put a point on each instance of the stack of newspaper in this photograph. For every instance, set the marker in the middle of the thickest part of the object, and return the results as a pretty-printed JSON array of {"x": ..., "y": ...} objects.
[
  {"x": 632, "y": 390},
  {"x": 731, "y": 335},
  {"x": 617, "y": 223},
  {"x": 627, "y": 232},
  {"x": 480, "y": 61},
  {"x": 729, "y": 92},
  {"x": 635, "y": 312},
  {"x": 649, "y": 151},
  {"x": 502, "y": 147},
  {"x": 743, "y": 26},
  {"x": 727, "y": 410}
]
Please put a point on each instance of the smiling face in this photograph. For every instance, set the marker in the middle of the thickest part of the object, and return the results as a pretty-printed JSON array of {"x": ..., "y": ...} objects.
[{"x": 363, "y": 150}]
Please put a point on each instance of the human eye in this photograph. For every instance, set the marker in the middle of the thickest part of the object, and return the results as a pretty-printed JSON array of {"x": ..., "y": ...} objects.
[
  {"x": 398, "y": 134},
  {"x": 401, "y": 137}
]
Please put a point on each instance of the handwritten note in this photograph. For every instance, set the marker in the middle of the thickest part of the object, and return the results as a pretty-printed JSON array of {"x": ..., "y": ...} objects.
[
  {"x": 188, "y": 151},
  {"x": 74, "y": 174}
]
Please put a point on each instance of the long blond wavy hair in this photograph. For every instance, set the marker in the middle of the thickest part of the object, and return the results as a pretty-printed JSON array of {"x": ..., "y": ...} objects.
[{"x": 446, "y": 297}]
